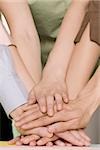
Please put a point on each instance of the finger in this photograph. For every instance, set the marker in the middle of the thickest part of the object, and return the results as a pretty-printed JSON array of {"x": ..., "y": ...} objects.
[
  {"x": 19, "y": 120},
  {"x": 50, "y": 105},
  {"x": 86, "y": 142},
  {"x": 17, "y": 112},
  {"x": 65, "y": 97},
  {"x": 45, "y": 140},
  {"x": 49, "y": 144},
  {"x": 67, "y": 136},
  {"x": 63, "y": 126},
  {"x": 31, "y": 101},
  {"x": 42, "y": 132},
  {"x": 34, "y": 107},
  {"x": 32, "y": 143},
  {"x": 28, "y": 118},
  {"x": 59, "y": 116},
  {"x": 13, "y": 141},
  {"x": 59, "y": 143},
  {"x": 59, "y": 101},
  {"x": 76, "y": 134},
  {"x": 30, "y": 138},
  {"x": 29, "y": 109},
  {"x": 83, "y": 134},
  {"x": 28, "y": 112},
  {"x": 42, "y": 104},
  {"x": 19, "y": 143}
]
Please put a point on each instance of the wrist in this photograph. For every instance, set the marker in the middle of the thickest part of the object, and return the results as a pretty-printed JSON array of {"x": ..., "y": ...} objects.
[
  {"x": 55, "y": 67},
  {"x": 52, "y": 72}
]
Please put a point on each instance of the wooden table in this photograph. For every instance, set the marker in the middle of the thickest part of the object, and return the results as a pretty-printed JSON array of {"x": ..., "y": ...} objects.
[{"x": 5, "y": 146}]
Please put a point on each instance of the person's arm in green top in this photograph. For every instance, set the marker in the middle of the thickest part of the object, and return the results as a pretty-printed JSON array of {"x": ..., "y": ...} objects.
[
  {"x": 52, "y": 85},
  {"x": 63, "y": 48}
]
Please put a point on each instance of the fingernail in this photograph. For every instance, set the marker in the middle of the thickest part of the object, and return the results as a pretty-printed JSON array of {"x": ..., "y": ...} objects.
[
  {"x": 59, "y": 107},
  {"x": 39, "y": 142},
  {"x": 66, "y": 100},
  {"x": 50, "y": 113},
  {"x": 43, "y": 109},
  {"x": 50, "y": 135}
]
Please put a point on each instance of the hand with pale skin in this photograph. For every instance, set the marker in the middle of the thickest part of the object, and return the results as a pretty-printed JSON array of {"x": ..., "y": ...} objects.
[
  {"x": 71, "y": 137},
  {"x": 68, "y": 138},
  {"x": 73, "y": 115},
  {"x": 89, "y": 98},
  {"x": 32, "y": 113},
  {"x": 48, "y": 90},
  {"x": 52, "y": 86}
]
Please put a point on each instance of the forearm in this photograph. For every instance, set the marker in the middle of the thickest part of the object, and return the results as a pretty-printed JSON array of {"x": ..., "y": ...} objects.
[
  {"x": 97, "y": 77},
  {"x": 82, "y": 64},
  {"x": 64, "y": 45},
  {"x": 18, "y": 63},
  {"x": 28, "y": 48},
  {"x": 24, "y": 35}
]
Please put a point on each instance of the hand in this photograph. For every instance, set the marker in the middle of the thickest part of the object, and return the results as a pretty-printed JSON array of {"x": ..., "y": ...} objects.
[
  {"x": 68, "y": 138},
  {"x": 44, "y": 120},
  {"x": 18, "y": 111},
  {"x": 74, "y": 137},
  {"x": 49, "y": 90},
  {"x": 31, "y": 113},
  {"x": 41, "y": 132},
  {"x": 21, "y": 109},
  {"x": 74, "y": 113},
  {"x": 87, "y": 103},
  {"x": 24, "y": 140}
]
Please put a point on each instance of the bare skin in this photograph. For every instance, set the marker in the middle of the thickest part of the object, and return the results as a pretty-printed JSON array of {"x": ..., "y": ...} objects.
[
  {"x": 80, "y": 115},
  {"x": 69, "y": 138},
  {"x": 52, "y": 88},
  {"x": 24, "y": 35},
  {"x": 95, "y": 52},
  {"x": 90, "y": 92},
  {"x": 90, "y": 98},
  {"x": 24, "y": 119},
  {"x": 20, "y": 110}
]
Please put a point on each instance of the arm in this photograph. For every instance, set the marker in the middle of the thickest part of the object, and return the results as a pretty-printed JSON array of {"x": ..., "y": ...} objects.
[
  {"x": 82, "y": 64},
  {"x": 26, "y": 80},
  {"x": 74, "y": 115},
  {"x": 61, "y": 53},
  {"x": 24, "y": 35},
  {"x": 52, "y": 85}
]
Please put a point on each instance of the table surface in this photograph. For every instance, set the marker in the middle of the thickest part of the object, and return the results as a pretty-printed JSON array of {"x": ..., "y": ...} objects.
[{"x": 5, "y": 146}]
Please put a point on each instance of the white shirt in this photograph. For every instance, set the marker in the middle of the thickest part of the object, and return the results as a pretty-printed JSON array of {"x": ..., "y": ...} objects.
[{"x": 12, "y": 91}]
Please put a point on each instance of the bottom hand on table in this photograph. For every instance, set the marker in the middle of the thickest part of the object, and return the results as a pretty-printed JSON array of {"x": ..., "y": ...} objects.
[{"x": 68, "y": 138}]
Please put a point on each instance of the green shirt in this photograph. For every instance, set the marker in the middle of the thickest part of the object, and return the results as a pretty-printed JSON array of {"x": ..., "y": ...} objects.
[{"x": 48, "y": 16}]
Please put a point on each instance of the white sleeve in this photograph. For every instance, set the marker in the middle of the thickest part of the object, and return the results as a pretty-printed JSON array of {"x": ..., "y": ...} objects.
[{"x": 12, "y": 91}]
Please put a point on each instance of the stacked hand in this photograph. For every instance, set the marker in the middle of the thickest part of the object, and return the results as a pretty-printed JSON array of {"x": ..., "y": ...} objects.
[{"x": 66, "y": 126}]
